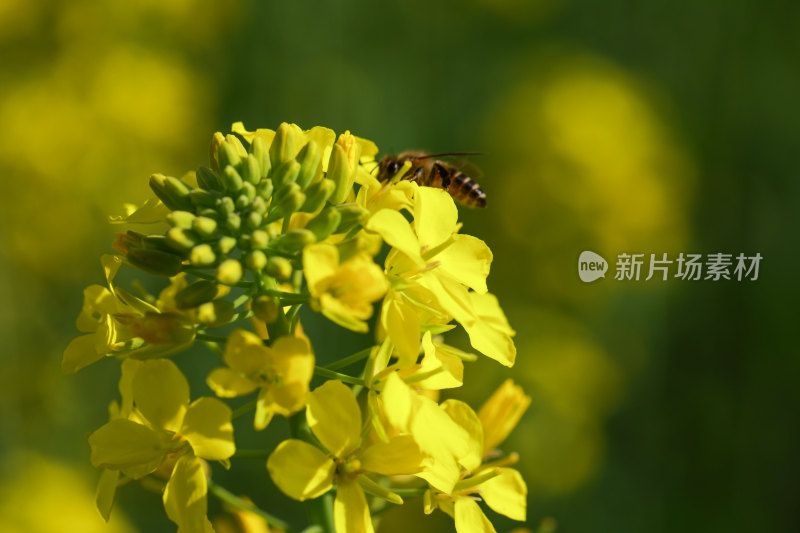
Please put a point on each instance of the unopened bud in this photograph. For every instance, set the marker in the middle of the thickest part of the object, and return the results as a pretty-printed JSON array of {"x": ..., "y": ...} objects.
[
  {"x": 279, "y": 268},
  {"x": 202, "y": 256},
  {"x": 204, "y": 226},
  {"x": 226, "y": 244},
  {"x": 227, "y": 154},
  {"x": 289, "y": 199},
  {"x": 154, "y": 261},
  {"x": 180, "y": 239},
  {"x": 341, "y": 174},
  {"x": 255, "y": 260},
  {"x": 248, "y": 190},
  {"x": 157, "y": 242},
  {"x": 203, "y": 198},
  {"x": 283, "y": 147},
  {"x": 163, "y": 328},
  {"x": 324, "y": 223},
  {"x": 229, "y": 272},
  {"x": 197, "y": 293},
  {"x": 294, "y": 240},
  {"x": 260, "y": 151},
  {"x": 264, "y": 189},
  {"x": 317, "y": 194},
  {"x": 250, "y": 169},
  {"x": 225, "y": 206},
  {"x": 180, "y": 219},
  {"x": 352, "y": 214},
  {"x": 231, "y": 179},
  {"x": 259, "y": 239},
  {"x": 233, "y": 222},
  {"x": 170, "y": 194},
  {"x": 309, "y": 162},
  {"x": 259, "y": 205},
  {"x": 285, "y": 173},
  {"x": 207, "y": 179},
  {"x": 252, "y": 221},
  {"x": 265, "y": 308},
  {"x": 216, "y": 141},
  {"x": 216, "y": 313}
]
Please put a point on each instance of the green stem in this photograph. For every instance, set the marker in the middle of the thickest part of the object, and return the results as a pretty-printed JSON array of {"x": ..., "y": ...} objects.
[
  {"x": 211, "y": 338},
  {"x": 244, "y": 409},
  {"x": 231, "y": 499},
  {"x": 350, "y": 359},
  {"x": 251, "y": 454},
  {"x": 324, "y": 372}
]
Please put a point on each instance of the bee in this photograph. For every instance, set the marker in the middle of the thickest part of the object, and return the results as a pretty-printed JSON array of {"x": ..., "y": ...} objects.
[{"x": 430, "y": 172}]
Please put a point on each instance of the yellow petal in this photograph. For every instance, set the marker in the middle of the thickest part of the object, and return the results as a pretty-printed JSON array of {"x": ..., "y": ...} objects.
[
  {"x": 501, "y": 413},
  {"x": 81, "y": 351},
  {"x": 129, "y": 368},
  {"x": 506, "y": 494},
  {"x": 97, "y": 301},
  {"x": 463, "y": 415},
  {"x": 466, "y": 260},
  {"x": 124, "y": 445},
  {"x": 185, "y": 495},
  {"x": 491, "y": 334},
  {"x": 264, "y": 411},
  {"x": 446, "y": 370},
  {"x": 207, "y": 426},
  {"x": 435, "y": 216},
  {"x": 396, "y": 231},
  {"x": 106, "y": 489},
  {"x": 227, "y": 383},
  {"x": 319, "y": 263},
  {"x": 470, "y": 519},
  {"x": 111, "y": 264},
  {"x": 334, "y": 417},
  {"x": 301, "y": 470},
  {"x": 350, "y": 511},
  {"x": 245, "y": 352},
  {"x": 161, "y": 393},
  {"x": 401, "y": 455},
  {"x": 400, "y": 320}
]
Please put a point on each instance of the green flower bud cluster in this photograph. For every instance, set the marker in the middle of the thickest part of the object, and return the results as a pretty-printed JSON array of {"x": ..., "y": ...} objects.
[{"x": 231, "y": 220}]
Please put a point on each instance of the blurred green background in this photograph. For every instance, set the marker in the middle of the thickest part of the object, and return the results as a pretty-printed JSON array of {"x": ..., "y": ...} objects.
[{"x": 616, "y": 126}]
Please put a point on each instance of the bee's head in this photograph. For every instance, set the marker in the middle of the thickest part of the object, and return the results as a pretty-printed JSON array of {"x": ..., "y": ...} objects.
[{"x": 388, "y": 166}]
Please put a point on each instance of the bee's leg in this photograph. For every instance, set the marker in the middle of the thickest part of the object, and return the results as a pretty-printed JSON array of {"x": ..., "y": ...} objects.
[{"x": 414, "y": 174}]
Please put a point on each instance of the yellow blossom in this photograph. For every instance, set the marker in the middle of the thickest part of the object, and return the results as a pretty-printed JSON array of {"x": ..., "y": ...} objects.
[
  {"x": 501, "y": 412},
  {"x": 303, "y": 471},
  {"x": 343, "y": 291},
  {"x": 281, "y": 372}
]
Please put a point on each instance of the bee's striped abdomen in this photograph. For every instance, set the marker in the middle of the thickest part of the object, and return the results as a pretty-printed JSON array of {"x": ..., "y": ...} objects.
[{"x": 466, "y": 190}]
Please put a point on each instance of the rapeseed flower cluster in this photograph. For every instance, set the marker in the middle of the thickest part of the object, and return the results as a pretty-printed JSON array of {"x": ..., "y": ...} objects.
[{"x": 280, "y": 220}]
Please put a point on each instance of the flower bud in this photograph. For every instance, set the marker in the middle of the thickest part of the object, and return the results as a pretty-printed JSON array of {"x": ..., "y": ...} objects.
[
  {"x": 180, "y": 239},
  {"x": 204, "y": 226},
  {"x": 225, "y": 206},
  {"x": 156, "y": 242},
  {"x": 180, "y": 219},
  {"x": 265, "y": 308},
  {"x": 202, "y": 256},
  {"x": 255, "y": 260},
  {"x": 207, "y": 179},
  {"x": 294, "y": 240},
  {"x": 258, "y": 205},
  {"x": 231, "y": 179},
  {"x": 233, "y": 222},
  {"x": 216, "y": 313},
  {"x": 317, "y": 194},
  {"x": 252, "y": 221},
  {"x": 229, "y": 272},
  {"x": 309, "y": 162},
  {"x": 285, "y": 173},
  {"x": 163, "y": 328},
  {"x": 197, "y": 293},
  {"x": 250, "y": 169},
  {"x": 352, "y": 214},
  {"x": 216, "y": 141},
  {"x": 342, "y": 166},
  {"x": 279, "y": 268},
  {"x": 324, "y": 223},
  {"x": 289, "y": 199},
  {"x": 174, "y": 196},
  {"x": 261, "y": 153},
  {"x": 249, "y": 190},
  {"x": 154, "y": 261},
  {"x": 259, "y": 239},
  {"x": 226, "y": 244},
  {"x": 203, "y": 198},
  {"x": 264, "y": 189},
  {"x": 227, "y": 154},
  {"x": 284, "y": 144}
]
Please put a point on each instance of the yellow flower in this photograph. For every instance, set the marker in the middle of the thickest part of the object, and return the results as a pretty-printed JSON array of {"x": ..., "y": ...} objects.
[
  {"x": 500, "y": 413},
  {"x": 303, "y": 471},
  {"x": 503, "y": 489},
  {"x": 118, "y": 323},
  {"x": 344, "y": 291},
  {"x": 157, "y": 423},
  {"x": 281, "y": 372}
]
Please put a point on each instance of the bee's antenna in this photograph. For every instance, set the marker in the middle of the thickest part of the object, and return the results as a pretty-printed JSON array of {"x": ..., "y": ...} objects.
[{"x": 428, "y": 156}]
